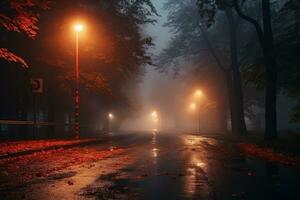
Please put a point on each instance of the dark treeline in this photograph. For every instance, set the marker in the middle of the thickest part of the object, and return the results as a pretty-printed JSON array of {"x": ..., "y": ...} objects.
[
  {"x": 42, "y": 45},
  {"x": 250, "y": 49}
]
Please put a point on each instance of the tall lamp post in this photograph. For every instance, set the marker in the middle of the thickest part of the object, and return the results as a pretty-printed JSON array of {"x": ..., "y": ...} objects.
[
  {"x": 78, "y": 28},
  {"x": 194, "y": 107},
  {"x": 198, "y": 95},
  {"x": 154, "y": 116},
  {"x": 110, "y": 118}
]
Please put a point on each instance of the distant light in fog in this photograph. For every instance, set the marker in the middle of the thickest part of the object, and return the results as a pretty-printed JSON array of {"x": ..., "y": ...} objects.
[
  {"x": 155, "y": 118},
  {"x": 193, "y": 106},
  {"x": 199, "y": 93},
  {"x": 154, "y": 115},
  {"x": 110, "y": 116}
]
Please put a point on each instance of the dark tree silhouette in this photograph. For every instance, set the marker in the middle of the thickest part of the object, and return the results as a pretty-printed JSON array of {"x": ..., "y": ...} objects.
[
  {"x": 265, "y": 35},
  {"x": 20, "y": 16}
]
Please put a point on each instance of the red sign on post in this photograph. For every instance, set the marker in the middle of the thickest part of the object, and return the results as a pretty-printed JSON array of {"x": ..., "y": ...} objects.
[{"x": 37, "y": 85}]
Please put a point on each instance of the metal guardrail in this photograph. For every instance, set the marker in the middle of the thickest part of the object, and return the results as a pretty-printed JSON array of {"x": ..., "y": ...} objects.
[
  {"x": 39, "y": 123},
  {"x": 42, "y": 129}
]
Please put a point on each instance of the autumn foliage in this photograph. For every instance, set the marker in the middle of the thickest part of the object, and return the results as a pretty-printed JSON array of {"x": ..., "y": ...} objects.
[
  {"x": 23, "y": 169},
  {"x": 7, "y": 148},
  {"x": 11, "y": 57},
  {"x": 269, "y": 154},
  {"x": 20, "y": 16}
]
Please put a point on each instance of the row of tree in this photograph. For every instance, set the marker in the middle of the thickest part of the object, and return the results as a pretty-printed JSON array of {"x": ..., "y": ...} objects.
[
  {"x": 112, "y": 50},
  {"x": 251, "y": 44}
]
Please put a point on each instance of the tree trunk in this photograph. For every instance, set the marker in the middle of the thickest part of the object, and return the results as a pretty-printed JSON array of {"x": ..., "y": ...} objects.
[
  {"x": 266, "y": 40},
  {"x": 223, "y": 108},
  {"x": 233, "y": 121},
  {"x": 271, "y": 74},
  {"x": 237, "y": 90},
  {"x": 271, "y": 100}
]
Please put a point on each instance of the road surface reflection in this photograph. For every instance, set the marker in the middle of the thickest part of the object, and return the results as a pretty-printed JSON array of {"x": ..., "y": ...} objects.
[{"x": 160, "y": 166}]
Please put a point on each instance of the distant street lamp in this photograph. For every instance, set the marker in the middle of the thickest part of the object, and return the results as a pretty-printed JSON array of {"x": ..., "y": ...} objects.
[
  {"x": 110, "y": 118},
  {"x": 155, "y": 119},
  {"x": 198, "y": 94},
  {"x": 78, "y": 28},
  {"x": 154, "y": 114},
  {"x": 193, "y": 106}
]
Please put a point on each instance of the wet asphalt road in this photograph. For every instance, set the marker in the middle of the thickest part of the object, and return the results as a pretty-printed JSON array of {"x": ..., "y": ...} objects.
[
  {"x": 195, "y": 167},
  {"x": 160, "y": 166}
]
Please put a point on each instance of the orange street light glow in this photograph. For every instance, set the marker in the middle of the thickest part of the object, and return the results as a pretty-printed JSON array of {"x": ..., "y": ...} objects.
[
  {"x": 199, "y": 93},
  {"x": 78, "y": 27},
  {"x": 154, "y": 114},
  {"x": 193, "y": 106},
  {"x": 111, "y": 116}
]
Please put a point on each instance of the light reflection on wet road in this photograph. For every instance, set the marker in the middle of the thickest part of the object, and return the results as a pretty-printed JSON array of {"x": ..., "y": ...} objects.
[
  {"x": 195, "y": 167},
  {"x": 159, "y": 166}
]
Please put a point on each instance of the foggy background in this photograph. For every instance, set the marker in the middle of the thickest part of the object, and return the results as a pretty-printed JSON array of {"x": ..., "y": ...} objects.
[
  {"x": 165, "y": 92},
  {"x": 116, "y": 78}
]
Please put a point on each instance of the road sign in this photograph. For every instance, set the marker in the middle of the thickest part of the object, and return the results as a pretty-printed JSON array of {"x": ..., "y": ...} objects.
[{"x": 36, "y": 85}]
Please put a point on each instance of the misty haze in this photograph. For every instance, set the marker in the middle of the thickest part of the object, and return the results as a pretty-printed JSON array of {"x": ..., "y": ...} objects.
[{"x": 149, "y": 99}]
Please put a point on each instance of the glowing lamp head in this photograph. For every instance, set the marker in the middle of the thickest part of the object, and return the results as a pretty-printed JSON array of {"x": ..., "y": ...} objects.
[
  {"x": 110, "y": 116},
  {"x": 193, "y": 106},
  {"x": 198, "y": 93},
  {"x": 78, "y": 27},
  {"x": 154, "y": 114}
]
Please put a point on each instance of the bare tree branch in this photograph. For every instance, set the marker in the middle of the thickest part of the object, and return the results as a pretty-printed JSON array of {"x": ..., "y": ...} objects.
[{"x": 250, "y": 20}]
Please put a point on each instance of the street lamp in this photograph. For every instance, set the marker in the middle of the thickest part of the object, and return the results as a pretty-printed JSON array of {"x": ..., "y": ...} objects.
[
  {"x": 154, "y": 114},
  {"x": 193, "y": 106},
  {"x": 110, "y": 118},
  {"x": 198, "y": 94},
  {"x": 78, "y": 28},
  {"x": 155, "y": 119}
]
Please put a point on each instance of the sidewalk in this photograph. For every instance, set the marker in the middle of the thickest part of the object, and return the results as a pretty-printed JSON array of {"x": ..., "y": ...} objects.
[
  {"x": 270, "y": 154},
  {"x": 285, "y": 150},
  {"x": 16, "y": 148}
]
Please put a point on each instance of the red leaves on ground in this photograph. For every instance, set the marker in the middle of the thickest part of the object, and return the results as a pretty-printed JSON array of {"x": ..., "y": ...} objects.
[
  {"x": 20, "y": 146},
  {"x": 42, "y": 164},
  {"x": 269, "y": 154}
]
